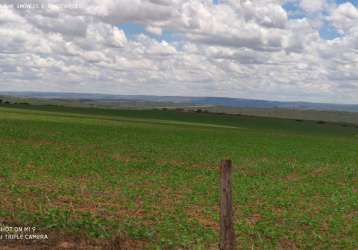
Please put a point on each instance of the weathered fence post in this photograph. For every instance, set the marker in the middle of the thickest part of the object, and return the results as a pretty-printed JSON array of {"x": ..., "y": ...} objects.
[{"x": 227, "y": 234}]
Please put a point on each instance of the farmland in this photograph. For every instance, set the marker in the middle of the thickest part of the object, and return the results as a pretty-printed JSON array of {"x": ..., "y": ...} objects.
[{"x": 149, "y": 178}]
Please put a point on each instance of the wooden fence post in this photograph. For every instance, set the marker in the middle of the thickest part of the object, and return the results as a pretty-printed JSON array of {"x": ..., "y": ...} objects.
[{"x": 227, "y": 234}]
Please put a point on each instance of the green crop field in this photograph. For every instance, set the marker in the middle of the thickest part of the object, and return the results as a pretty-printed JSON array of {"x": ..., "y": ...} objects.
[{"x": 149, "y": 179}]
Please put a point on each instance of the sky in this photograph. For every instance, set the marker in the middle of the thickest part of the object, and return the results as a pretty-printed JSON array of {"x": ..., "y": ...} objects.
[{"x": 286, "y": 50}]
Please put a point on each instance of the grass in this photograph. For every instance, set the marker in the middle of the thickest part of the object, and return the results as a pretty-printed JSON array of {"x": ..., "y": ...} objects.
[{"x": 152, "y": 176}]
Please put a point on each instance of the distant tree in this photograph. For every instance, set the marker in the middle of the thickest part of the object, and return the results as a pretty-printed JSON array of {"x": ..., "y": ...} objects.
[
  {"x": 7, "y": 102},
  {"x": 0, "y": 101},
  {"x": 321, "y": 122},
  {"x": 198, "y": 111}
]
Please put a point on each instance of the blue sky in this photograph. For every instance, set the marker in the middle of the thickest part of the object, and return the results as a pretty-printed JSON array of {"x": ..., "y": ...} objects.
[{"x": 133, "y": 29}]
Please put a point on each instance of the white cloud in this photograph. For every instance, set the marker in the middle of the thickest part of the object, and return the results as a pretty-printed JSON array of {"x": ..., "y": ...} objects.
[
  {"x": 237, "y": 48},
  {"x": 345, "y": 17},
  {"x": 154, "y": 30},
  {"x": 313, "y": 5}
]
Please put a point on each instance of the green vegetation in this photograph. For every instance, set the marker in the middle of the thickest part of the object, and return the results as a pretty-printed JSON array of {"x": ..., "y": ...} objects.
[{"x": 152, "y": 176}]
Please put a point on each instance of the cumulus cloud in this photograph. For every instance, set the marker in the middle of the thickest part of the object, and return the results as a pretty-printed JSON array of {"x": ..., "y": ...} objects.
[
  {"x": 344, "y": 17},
  {"x": 241, "y": 48}
]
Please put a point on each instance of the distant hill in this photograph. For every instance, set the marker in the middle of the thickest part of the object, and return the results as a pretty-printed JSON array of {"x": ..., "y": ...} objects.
[{"x": 197, "y": 101}]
